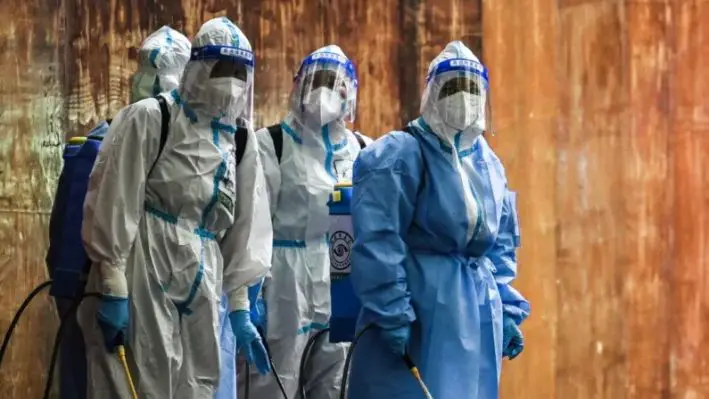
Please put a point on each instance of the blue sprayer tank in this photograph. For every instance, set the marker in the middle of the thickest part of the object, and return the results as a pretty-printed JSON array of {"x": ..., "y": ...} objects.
[
  {"x": 345, "y": 304},
  {"x": 67, "y": 260}
]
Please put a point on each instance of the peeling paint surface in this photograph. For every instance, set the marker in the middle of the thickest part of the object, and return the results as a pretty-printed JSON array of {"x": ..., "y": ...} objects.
[
  {"x": 605, "y": 135},
  {"x": 66, "y": 65}
]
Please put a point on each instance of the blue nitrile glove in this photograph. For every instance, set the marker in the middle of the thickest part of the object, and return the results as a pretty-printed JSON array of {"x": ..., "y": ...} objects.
[
  {"x": 113, "y": 318},
  {"x": 512, "y": 338},
  {"x": 397, "y": 339},
  {"x": 248, "y": 340},
  {"x": 258, "y": 307}
]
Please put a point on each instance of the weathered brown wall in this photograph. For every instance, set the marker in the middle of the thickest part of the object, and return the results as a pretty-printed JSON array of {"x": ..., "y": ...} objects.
[
  {"x": 65, "y": 65},
  {"x": 604, "y": 131},
  {"x": 603, "y": 127}
]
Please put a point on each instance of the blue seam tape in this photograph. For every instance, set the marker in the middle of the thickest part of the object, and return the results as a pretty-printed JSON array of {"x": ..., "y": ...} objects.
[
  {"x": 329, "y": 151},
  {"x": 221, "y": 170},
  {"x": 183, "y": 307},
  {"x": 232, "y": 29},
  {"x": 172, "y": 219},
  {"x": 312, "y": 326},
  {"x": 153, "y": 56},
  {"x": 342, "y": 144},
  {"x": 289, "y": 244},
  {"x": 291, "y": 133},
  {"x": 191, "y": 115},
  {"x": 161, "y": 215}
]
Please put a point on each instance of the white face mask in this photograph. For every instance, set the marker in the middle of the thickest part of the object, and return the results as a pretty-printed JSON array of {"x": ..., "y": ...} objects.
[
  {"x": 323, "y": 106},
  {"x": 228, "y": 92},
  {"x": 461, "y": 110},
  {"x": 143, "y": 86}
]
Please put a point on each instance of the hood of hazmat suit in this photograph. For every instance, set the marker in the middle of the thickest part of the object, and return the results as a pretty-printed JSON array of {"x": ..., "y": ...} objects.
[
  {"x": 173, "y": 232},
  {"x": 436, "y": 234},
  {"x": 456, "y": 100},
  {"x": 318, "y": 151},
  {"x": 161, "y": 60}
]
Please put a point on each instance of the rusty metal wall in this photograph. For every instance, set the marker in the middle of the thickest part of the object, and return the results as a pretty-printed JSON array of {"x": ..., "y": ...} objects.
[
  {"x": 65, "y": 65},
  {"x": 604, "y": 131}
]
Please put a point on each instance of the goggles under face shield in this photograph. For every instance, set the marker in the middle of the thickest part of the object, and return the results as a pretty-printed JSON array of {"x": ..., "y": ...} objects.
[
  {"x": 459, "y": 84},
  {"x": 232, "y": 62}
]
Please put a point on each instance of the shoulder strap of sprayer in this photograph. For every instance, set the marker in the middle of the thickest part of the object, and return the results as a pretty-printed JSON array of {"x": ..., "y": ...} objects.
[
  {"x": 164, "y": 128},
  {"x": 360, "y": 140},
  {"x": 276, "y": 132},
  {"x": 241, "y": 138}
]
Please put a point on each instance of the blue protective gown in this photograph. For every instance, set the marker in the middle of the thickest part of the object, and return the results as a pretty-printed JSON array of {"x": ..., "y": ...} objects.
[{"x": 413, "y": 263}]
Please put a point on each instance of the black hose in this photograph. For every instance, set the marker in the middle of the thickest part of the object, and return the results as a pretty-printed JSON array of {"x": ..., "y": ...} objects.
[
  {"x": 304, "y": 360},
  {"x": 58, "y": 340},
  {"x": 18, "y": 314},
  {"x": 270, "y": 361},
  {"x": 348, "y": 361}
]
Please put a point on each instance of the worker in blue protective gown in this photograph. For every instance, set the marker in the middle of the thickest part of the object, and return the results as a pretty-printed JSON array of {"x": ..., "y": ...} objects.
[{"x": 436, "y": 233}]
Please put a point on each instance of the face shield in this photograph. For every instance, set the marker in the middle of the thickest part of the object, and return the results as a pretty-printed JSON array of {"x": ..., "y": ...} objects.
[
  {"x": 325, "y": 89},
  {"x": 229, "y": 84},
  {"x": 459, "y": 89}
]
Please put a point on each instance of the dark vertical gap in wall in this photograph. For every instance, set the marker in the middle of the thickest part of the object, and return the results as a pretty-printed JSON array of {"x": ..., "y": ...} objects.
[{"x": 408, "y": 59}]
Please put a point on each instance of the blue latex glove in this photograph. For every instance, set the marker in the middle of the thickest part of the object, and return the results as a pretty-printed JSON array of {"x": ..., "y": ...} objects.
[
  {"x": 248, "y": 340},
  {"x": 258, "y": 307},
  {"x": 113, "y": 318},
  {"x": 397, "y": 339},
  {"x": 512, "y": 338}
]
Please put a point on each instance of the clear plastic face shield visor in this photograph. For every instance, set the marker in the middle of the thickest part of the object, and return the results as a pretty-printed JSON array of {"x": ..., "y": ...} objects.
[
  {"x": 461, "y": 93},
  {"x": 236, "y": 66},
  {"x": 326, "y": 88}
]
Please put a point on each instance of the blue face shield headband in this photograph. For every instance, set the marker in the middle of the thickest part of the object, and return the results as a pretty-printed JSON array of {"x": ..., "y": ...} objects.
[
  {"x": 227, "y": 53},
  {"x": 461, "y": 65},
  {"x": 336, "y": 61}
]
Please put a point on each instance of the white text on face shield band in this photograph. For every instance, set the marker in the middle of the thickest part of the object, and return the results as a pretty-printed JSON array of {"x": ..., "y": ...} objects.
[
  {"x": 468, "y": 64},
  {"x": 329, "y": 56},
  {"x": 236, "y": 52}
]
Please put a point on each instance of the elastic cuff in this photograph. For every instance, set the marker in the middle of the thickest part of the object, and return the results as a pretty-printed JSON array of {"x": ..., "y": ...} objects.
[
  {"x": 114, "y": 280},
  {"x": 239, "y": 299}
]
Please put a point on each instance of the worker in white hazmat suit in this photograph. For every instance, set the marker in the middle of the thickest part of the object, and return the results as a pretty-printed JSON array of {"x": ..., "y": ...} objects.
[
  {"x": 161, "y": 58},
  {"x": 168, "y": 231},
  {"x": 304, "y": 157}
]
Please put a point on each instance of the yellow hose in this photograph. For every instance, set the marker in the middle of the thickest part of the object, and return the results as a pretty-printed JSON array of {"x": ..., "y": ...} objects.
[
  {"x": 417, "y": 376},
  {"x": 124, "y": 361}
]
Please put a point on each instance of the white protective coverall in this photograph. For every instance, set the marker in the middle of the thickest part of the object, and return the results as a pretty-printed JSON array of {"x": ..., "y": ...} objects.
[
  {"x": 318, "y": 152},
  {"x": 169, "y": 237}
]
